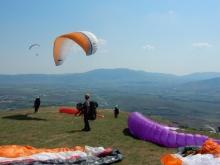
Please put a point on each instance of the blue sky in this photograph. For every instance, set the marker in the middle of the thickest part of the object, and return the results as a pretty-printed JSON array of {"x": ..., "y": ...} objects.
[{"x": 174, "y": 37}]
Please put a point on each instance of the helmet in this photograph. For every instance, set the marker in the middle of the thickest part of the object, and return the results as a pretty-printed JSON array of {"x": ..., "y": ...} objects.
[{"x": 87, "y": 96}]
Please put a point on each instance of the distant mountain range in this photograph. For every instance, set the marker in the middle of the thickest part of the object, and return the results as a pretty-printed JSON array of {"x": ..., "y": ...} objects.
[{"x": 113, "y": 75}]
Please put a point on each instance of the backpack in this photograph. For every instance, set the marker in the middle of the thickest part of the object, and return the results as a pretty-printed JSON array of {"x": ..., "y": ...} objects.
[{"x": 92, "y": 110}]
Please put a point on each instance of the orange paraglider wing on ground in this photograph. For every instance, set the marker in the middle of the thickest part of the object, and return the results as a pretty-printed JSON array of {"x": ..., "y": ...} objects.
[
  {"x": 15, "y": 154},
  {"x": 211, "y": 147},
  {"x": 70, "y": 110},
  {"x": 169, "y": 159},
  {"x": 13, "y": 151}
]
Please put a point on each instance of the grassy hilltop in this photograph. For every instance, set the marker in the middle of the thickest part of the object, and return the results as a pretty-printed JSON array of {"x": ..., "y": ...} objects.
[{"x": 51, "y": 129}]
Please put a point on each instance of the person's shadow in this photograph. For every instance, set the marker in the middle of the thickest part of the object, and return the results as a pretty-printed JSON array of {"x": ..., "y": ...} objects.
[
  {"x": 127, "y": 132},
  {"x": 22, "y": 117},
  {"x": 75, "y": 131}
]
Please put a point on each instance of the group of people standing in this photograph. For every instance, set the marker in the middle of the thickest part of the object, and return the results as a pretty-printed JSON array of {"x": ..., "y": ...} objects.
[{"x": 86, "y": 107}]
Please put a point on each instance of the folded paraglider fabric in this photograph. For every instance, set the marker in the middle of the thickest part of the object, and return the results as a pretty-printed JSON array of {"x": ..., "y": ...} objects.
[
  {"x": 169, "y": 159},
  {"x": 27, "y": 155},
  {"x": 208, "y": 154},
  {"x": 199, "y": 159},
  {"x": 211, "y": 147},
  {"x": 13, "y": 151},
  {"x": 188, "y": 150}
]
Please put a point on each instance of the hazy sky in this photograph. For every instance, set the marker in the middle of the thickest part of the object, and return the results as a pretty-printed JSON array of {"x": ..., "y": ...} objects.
[{"x": 166, "y": 36}]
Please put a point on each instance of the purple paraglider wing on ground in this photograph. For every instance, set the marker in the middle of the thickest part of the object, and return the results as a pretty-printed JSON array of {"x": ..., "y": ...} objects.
[{"x": 149, "y": 130}]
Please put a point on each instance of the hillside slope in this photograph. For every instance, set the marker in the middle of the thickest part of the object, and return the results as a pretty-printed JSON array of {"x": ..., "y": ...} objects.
[{"x": 51, "y": 129}]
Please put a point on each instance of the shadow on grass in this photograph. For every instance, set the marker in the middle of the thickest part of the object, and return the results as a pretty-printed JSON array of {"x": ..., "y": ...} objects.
[
  {"x": 75, "y": 131},
  {"x": 22, "y": 117},
  {"x": 127, "y": 132}
]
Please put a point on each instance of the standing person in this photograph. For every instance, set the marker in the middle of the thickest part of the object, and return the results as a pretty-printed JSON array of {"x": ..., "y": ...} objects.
[
  {"x": 116, "y": 111},
  {"x": 86, "y": 107},
  {"x": 36, "y": 104}
]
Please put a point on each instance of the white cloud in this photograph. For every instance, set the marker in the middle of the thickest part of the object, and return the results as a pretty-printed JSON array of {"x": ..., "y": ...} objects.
[
  {"x": 148, "y": 47},
  {"x": 101, "y": 42},
  {"x": 171, "y": 12},
  {"x": 200, "y": 45}
]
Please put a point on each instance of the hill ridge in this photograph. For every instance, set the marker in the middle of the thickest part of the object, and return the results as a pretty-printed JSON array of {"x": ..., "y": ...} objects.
[{"x": 106, "y": 75}]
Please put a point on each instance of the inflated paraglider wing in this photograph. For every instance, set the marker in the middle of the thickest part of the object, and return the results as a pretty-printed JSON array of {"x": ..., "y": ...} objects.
[
  {"x": 34, "y": 45},
  {"x": 86, "y": 40},
  {"x": 149, "y": 130}
]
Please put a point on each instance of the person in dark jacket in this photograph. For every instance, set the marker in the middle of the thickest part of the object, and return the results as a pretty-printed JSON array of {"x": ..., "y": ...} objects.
[
  {"x": 116, "y": 111},
  {"x": 86, "y": 107},
  {"x": 36, "y": 104}
]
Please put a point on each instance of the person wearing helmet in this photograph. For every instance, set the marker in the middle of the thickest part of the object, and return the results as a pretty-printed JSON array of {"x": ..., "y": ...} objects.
[
  {"x": 86, "y": 108},
  {"x": 36, "y": 104}
]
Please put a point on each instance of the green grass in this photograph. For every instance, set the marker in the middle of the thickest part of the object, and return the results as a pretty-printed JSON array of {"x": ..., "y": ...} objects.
[{"x": 51, "y": 129}]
